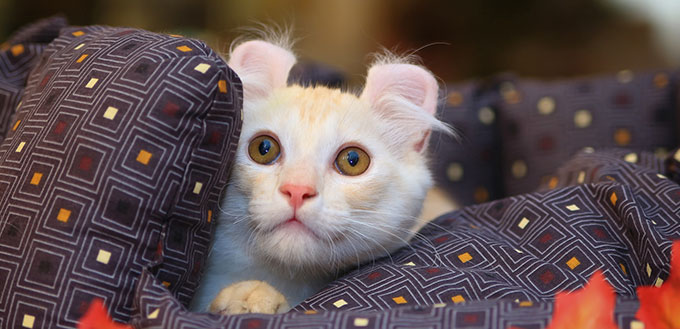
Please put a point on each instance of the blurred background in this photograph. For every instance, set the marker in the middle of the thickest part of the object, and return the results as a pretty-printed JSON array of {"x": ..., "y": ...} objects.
[{"x": 457, "y": 39}]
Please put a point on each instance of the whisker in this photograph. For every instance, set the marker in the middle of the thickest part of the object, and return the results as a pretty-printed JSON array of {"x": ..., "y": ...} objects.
[
  {"x": 417, "y": 219},
  {"x": 364, "y": 239},
  {"x": 388, "y": 232},
  {"x": 382, "y": 226}
]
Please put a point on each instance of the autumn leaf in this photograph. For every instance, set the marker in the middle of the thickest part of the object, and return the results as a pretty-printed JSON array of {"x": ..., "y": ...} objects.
[
  {"x": 660, "y": 307},
  {"x": 97, "y": 318},
  {"x": 589, "y": 307}
]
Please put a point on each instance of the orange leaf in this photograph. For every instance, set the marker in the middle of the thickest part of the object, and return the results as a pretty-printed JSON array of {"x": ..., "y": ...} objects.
[
  {"x": 589, "y": 307},
  {"x": 97, "y": 318},
  {"x": 660, "y": 307}
]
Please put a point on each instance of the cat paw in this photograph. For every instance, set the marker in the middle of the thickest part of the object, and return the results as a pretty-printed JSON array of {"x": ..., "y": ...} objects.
[{"x": 249, "y": 297}]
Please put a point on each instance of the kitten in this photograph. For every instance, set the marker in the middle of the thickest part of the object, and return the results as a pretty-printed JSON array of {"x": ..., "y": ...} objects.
[{"x": 323, "y": 180}]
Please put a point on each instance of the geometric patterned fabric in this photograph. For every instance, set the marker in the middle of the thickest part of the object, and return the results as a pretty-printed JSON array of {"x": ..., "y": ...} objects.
[
  {"x": 672, "y": 164},
  {"x": 17, "y": 57},
  {"x": 517, "y": 132},
  {"x": 160, "y": 310},
  {"x": 496, "y": 264},
  {"x": 114, "y": 162}
]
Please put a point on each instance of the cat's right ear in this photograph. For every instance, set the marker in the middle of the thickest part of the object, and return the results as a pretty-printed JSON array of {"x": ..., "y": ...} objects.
[{"x": 262, "y": 67}]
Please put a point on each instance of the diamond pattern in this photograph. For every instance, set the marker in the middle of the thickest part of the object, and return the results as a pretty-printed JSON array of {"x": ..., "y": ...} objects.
[
  {"x": 97, "y": 183},
  {"x": 475, "y": 268},
  {"x": 16, "y": 61},
  {"x": 500, "y": 262}
]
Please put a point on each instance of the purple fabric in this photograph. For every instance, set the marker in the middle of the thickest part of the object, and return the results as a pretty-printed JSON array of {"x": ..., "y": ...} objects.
[
  {"x": 160, "y": 310},
  {"x": 673, "y": 166},
  {"x": 110, "y": 182},
  {"x": 121, "y": 151},
  {"x": 479, "y": 267},
  {"x": 18, "y": 56},
  {"x": 517, "y": 132},
  {"x": 468, "y": 166},
  {"x": 542, "y": 123}
]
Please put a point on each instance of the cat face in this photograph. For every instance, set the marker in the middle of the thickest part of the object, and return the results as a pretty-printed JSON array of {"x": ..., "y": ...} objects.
[{"x": 324, "y": 179}]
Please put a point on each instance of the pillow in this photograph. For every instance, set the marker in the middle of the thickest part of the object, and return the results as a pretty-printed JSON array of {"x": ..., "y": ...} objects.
[
  {"x": 18, "y": 56},
  {"x": 544, "y": 123},
  {"x": 493, "y": 265},
  {"x": 673, "y": 166},
  {"x": 121, "y": 150},
  {"x": 467, "y": 169},
  {"x": 160, "y": 310}
]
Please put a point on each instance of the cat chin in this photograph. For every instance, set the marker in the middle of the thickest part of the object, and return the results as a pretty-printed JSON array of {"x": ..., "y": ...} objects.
[
  {"x": 298, "y": 253},
  {"x": 294, "y": 250}
]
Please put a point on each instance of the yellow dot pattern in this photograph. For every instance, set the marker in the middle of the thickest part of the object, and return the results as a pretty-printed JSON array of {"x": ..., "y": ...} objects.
[
  {"x": 465, "y": 257},
  {"x": 222, "y": 86},
  {"x": 573, "y": 263},
  {"x": 63, "y": 215},
  {"x": 400, "y": 300},
  {"x": 37, "y": 177},
  {"x": 144, "y": 157},
  {"x": 184, "y": 48},
  {"x": 455, "y": 98}
]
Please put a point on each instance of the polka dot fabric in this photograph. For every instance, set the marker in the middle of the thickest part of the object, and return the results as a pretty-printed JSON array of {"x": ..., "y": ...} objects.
[
  {"x": 497, "y": 264},
  {"x": 542, "y": 124},
  {"x": 468, "y": 168},
  {"x": 115, "y": 162}
]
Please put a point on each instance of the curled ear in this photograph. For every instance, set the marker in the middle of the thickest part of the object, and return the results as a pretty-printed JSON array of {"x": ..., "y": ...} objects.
[
  {"x": 406, "y": 96},
  {"x": 262, "y": 67}
]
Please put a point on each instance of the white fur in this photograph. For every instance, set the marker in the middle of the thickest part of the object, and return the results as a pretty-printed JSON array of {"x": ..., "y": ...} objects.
[{"x": 352, "y": 219}]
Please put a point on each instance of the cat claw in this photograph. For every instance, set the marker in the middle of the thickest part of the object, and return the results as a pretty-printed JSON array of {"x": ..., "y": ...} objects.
[{"x": 249, "y": 297}]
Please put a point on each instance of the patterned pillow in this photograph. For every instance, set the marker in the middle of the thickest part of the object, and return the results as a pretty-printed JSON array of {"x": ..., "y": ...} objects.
[
  {"x": 673, "y": 166},
  {"x": 468, "y": 168},
  {"x": 160, "y": 310},
  {"x": 493, "y": 265},
  {"x": 544, "y": 123},
  {"x": 121, "y": 150},
  {"x": 18, "y": 56}
]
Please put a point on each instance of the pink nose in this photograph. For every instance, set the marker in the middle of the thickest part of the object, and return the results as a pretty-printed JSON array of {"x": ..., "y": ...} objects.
[{"x": 297, "y": 194}]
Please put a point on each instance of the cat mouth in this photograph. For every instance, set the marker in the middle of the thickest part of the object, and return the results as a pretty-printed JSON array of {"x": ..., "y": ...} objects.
[{"x": 293, "y": 224}]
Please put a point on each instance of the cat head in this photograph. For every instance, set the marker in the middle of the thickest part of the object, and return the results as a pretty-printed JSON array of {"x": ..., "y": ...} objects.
[{"x": 323, "y": 178}]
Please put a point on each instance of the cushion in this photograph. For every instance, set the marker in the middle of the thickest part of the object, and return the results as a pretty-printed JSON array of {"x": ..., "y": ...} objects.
[
  {"x": 467, "y": 167},
  {"x": 543, "y": 123},
  {"x": 18, "y": 56},
  {"x": 673, "y": 165},
  {"x": 161, "y": 310},
  {"x": 492, "y": 265},
  {"x": 121, "y": 150}
]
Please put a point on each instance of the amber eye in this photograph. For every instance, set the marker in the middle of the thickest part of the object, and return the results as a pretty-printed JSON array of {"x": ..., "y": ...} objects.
[
  {"x": 264, "y": 150},
  {"x": 352, "y": 161}
]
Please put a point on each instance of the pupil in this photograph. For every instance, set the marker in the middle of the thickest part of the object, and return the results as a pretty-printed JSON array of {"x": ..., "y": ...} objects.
[
  {"x": 352, "y": 158},
  {"x": 264, "y": 147}
]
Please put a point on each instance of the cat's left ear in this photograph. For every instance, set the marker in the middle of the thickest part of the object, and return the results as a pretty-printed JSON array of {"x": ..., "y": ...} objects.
[
  {"x": 261, "y": 66},
  {"x": 406, "y": 95}
]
